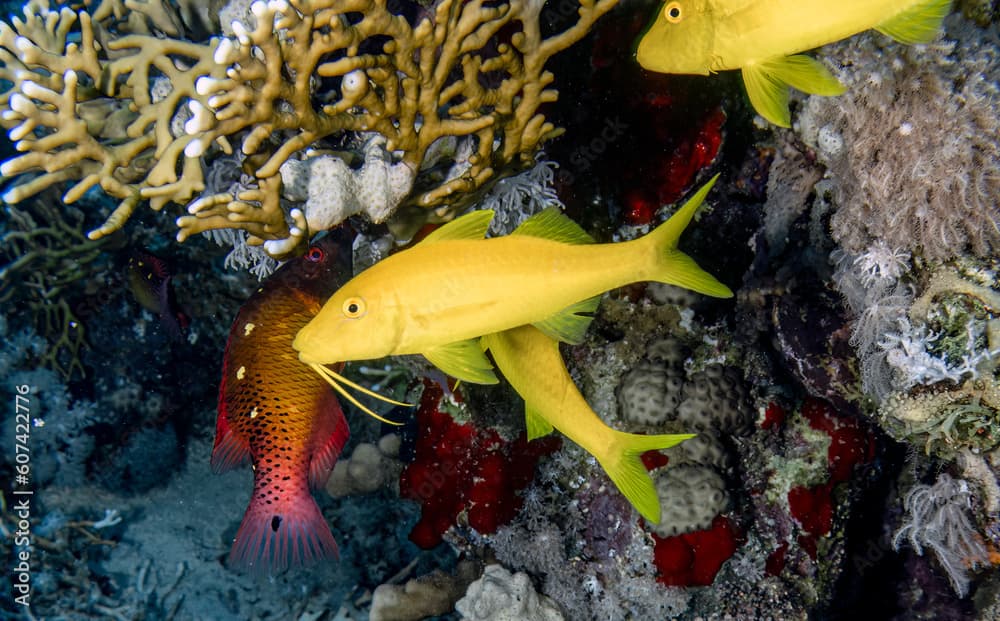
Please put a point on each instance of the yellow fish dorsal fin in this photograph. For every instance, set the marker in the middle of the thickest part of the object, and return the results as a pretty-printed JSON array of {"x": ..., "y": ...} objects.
[
  {"x": 536, "y": 423},
  {"x": 767, "y": 84},
  {"x": 550, "y": 223},
  {"x": 472, "y": 225},
  {"x": 918, "y": 24},
  {"x": 571, "y": 323},
  {"x": 464, "y": 360}
]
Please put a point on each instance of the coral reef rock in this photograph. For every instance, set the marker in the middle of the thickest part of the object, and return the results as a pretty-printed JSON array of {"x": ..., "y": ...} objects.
[{"x": 502, "y": 596}]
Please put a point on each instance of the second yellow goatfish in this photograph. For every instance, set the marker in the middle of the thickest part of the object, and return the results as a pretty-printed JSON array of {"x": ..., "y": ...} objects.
[
  {"x": 532, "y": 364},
  {"x": 763, "y": 39},
  {"x": 440, "y": 296}
]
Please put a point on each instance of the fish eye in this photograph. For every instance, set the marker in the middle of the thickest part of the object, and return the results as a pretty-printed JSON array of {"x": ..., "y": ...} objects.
[
  {"x": 354, "y": 307},
  {"x": 672, "y": 12},
  {"x": 315, "y": 254}
]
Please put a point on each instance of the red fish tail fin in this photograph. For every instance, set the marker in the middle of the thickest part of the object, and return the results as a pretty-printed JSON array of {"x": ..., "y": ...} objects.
[{"x": 287, "y": 534}]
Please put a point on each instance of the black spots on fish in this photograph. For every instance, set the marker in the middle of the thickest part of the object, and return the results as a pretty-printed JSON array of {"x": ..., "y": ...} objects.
[
  {"x": 275, "y": 523},
  {"x": 269, "y": 493}
]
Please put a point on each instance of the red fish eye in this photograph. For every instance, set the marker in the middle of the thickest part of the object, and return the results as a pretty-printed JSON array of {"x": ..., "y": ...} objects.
[{"x": 315, "y": 254}]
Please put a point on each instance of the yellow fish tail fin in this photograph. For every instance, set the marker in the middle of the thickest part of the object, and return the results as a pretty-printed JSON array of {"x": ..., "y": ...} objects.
[
  {"x": 918, "y": 24},
  {"x": 676, "y": 268},
  {"x": 625, "y": 468},
  {"x": 682, "y": 271},
  {"x": 667, "y": 234},
  {"x": 767, "y": 84}
]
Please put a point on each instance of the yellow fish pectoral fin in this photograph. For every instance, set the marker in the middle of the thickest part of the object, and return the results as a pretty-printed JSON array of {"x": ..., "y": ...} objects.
[
  {"x": 806, "y": 74},
  {"x": 768, "y": 95},
  {"x": 536, "y": 423},
  {"x": 570, "y": 324},
  {"x": 767, "y": 84},
  {"x": 629, "y": 475},
  {"x": 464, "y": 360},
  {"x": 919, "y": 24}
]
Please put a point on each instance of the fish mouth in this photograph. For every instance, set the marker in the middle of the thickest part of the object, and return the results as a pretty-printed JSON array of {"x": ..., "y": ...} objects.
[
  {"x": 307, "y": 354},
  {"x": 306, "y": 358}
]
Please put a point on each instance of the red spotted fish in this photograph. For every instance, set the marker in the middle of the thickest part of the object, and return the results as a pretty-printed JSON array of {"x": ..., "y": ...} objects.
[{"x": 275, "y": 410}]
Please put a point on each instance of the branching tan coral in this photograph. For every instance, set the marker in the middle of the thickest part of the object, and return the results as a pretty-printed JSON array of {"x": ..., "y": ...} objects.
[
  {"x": 59, "y": 84},
  {"x": 137, "y": 109}
]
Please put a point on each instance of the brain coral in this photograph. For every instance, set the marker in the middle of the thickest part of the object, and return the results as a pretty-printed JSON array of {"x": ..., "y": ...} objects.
[
  {"x": 705, "y": 449},
  {"x": 690, "y": 498},
  {"x": 713, "y": 402},
  {"x": 651, "y": 391},
  {"x": 715, "y": 398},
  {"x": 657, "y": 390},
  {"x": 913, "y": 147}
]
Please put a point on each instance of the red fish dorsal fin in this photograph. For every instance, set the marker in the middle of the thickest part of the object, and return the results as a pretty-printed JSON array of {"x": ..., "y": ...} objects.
[
  {"x": 229, "y": 451},
  {"x": 332, "y": 435}
]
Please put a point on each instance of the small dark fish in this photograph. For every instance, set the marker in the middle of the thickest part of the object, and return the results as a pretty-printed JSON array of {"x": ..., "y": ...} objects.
[
  {"x": 149, "y": 279},
  {"x": 275, "y": 410}
]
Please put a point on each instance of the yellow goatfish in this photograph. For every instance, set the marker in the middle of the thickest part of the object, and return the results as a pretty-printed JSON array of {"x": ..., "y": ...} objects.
[
  {"x": 764, "y": 39},
  {"x": 532, "y": 364},
  {"x": 440, "y": 296}
]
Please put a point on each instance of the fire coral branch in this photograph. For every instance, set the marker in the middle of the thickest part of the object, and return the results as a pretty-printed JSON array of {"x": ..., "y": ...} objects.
[{"x": 132, "y": 102}]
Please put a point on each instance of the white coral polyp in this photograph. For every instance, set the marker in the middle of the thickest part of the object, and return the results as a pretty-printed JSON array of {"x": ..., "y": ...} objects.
[
  {"x": 333, "y": 191},
  {"x": 880, "y": 263}
]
